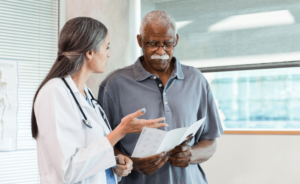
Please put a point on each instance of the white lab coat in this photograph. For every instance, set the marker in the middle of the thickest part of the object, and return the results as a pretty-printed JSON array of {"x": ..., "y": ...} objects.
[{"x": 68, "y": 151}]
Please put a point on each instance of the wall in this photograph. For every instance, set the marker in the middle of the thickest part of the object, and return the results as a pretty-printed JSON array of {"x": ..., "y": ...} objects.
[
  {"x": 259, "y": 159},
  {"x": 116, "y": 15}
]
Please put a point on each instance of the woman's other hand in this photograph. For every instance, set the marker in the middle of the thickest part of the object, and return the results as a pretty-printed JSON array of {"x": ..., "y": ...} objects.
[
  {"x": 131, "y": 124},
  {"x": 124, "y": 166}
]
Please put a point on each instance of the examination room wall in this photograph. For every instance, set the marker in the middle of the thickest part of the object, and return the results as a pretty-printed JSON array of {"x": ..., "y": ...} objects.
[
  {"x": 240, "y": 159},
  {"x": 259, "y": 159},
  {"x": 114, "y": 14}
]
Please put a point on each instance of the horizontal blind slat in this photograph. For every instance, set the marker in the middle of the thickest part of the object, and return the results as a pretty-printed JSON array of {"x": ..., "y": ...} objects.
[
  {"x": 39, "y": 33},
  {"x": 33, "y": 4}
]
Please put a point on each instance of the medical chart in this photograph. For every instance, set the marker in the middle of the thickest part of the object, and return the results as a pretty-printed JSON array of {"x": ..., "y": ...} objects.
[
  {"x": 153, "y": 141},
  {"x": 9, "y": 81}
]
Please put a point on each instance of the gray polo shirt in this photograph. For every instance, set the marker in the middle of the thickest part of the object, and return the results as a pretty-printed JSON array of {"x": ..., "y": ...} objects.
[{"x": 184, "y": 99}]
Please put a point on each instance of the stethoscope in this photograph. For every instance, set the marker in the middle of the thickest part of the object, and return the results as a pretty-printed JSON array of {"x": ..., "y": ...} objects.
[{"x": 85, "y": 120}]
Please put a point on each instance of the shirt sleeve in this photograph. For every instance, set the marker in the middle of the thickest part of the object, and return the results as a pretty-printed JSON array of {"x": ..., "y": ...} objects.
[
  {"x": 212, "y": 127},
  {"x": 62, "y": 137}
]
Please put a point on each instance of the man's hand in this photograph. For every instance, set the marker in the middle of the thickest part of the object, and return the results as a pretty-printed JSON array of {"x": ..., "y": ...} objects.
[
  {"x": 124, "y": 166},
  {"x": 180, "y": 156},
  {"x": 149, "y": 165}
]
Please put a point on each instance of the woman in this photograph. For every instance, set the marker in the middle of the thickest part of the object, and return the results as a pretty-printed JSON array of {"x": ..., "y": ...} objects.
[{"x": 74, "y": 140}]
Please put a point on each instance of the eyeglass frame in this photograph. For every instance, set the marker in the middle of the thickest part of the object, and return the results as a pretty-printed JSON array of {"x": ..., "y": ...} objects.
[{"x": 163, "y": 46}]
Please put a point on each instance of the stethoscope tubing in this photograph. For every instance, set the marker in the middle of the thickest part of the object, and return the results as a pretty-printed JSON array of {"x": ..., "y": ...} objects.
[
  {"x": 100, "y": 110},
  {"x": 92, "y": 99},
  {"x": 99, "y": 107},
  {"x": 74, "y": 98}
]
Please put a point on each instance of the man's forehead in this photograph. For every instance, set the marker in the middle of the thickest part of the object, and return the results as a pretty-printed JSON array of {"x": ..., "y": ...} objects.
[{"x": 154, "y": 32}]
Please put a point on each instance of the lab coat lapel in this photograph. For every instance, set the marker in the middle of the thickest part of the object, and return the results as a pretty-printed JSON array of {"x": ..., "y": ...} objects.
[
  {"x": 89, "y": 110},
  {"x": 92, "y": 113},
  {"x": 72, "y": 84}
]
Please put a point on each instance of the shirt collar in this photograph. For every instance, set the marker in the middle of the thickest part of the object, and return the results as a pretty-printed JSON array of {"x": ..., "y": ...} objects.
[{"x": 141, "y": 74}]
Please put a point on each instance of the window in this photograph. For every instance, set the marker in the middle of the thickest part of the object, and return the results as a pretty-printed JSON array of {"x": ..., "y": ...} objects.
[
  {"x": 249, "y": 52},
  {"x": 29, "y": 34},
  {"x": 258, "y": 99}
]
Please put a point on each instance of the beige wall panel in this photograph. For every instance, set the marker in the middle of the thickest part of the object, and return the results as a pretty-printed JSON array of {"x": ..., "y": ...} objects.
[
  {"x": 259, "y": 159},
  {"x": 114, "y": 14}
]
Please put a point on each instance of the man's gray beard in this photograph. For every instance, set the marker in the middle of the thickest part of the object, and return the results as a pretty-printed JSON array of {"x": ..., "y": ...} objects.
[{"x": 163, "y": 57}]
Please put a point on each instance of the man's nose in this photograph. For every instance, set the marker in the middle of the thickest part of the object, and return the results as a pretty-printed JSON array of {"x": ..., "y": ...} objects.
[{"x": 161, "y": 51}]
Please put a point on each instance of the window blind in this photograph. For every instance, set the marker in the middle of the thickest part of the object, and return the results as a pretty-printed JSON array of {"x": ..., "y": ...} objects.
[{"x": 29, "y": 34}]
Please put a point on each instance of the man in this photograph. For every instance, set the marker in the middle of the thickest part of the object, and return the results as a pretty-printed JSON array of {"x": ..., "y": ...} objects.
[{"x": 158, "y": 82}]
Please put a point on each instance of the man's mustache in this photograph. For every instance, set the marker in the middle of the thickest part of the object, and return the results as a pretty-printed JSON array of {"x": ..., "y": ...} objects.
[{"x": 163, "y": 57}]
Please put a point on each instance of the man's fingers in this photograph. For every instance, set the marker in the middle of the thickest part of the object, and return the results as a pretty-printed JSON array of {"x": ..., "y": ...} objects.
[
  {"x": 179, "y": 149},
  {"x": 182, "y": 154},
  {"x": 179, "y": 160},
  {"x": 179, "y": 165},
  {"x": 150, "y": 159},
  {"x": 189, "y": 141},
  {"x": 159, "y": 165},
  {"x": 146, "y": 167}
]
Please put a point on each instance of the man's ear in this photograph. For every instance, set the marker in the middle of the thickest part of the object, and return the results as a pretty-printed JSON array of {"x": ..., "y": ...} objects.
[
  {"x": 177, "y": 38},
  {"x": 89, "y": 54},
  {"x": 139, "y": 39}
]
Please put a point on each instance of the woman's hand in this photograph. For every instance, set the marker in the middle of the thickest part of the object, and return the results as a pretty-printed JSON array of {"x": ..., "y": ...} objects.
[
  {"x": 130, "y": 123},
  {"x": 124, "y": 166}
]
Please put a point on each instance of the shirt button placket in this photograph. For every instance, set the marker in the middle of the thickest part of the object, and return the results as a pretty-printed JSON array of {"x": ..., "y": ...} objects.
[{"x": 165, "y": 101}]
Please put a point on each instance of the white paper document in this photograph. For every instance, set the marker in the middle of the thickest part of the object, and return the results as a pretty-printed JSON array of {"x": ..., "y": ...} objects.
[{"x": 153, "y": 141}]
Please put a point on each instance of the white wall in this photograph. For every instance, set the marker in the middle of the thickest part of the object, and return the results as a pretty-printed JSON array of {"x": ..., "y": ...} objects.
[
  {"x": 255, "y": 159},
  {"x": 240, "y": 159}
]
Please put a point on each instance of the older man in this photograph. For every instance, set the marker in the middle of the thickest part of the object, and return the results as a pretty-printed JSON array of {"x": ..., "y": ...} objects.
[{"x": 158, "y": 82}]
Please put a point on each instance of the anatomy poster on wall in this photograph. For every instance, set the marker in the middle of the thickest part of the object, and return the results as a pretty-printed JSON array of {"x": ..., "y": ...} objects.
[{"x": 8, "y": 104}]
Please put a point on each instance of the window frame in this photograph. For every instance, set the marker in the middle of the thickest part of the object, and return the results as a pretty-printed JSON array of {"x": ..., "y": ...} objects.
[{"x": 286, "y": 64}]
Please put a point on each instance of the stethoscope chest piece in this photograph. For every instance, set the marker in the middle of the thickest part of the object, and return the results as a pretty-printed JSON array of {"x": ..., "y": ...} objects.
[{"x": 87, "y": 123}]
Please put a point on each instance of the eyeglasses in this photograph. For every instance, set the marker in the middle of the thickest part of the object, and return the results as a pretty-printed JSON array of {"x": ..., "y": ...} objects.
[{"x": 153, "y": 46}]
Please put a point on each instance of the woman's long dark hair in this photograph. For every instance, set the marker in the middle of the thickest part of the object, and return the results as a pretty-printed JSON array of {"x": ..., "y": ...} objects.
[{"x": 78, "y": 36}]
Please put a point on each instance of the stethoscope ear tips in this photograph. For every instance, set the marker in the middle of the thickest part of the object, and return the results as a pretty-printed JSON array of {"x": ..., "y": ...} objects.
[{"x": 87, "y": 123}]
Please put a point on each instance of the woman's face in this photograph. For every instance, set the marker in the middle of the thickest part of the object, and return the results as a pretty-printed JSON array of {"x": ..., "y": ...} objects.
[{"x": 99, "y": 59}]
